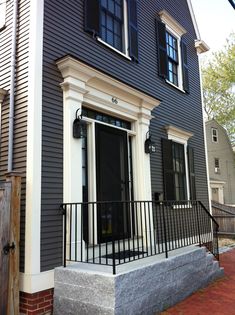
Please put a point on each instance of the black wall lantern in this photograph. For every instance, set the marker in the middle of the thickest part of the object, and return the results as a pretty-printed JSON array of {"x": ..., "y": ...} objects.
[
  {"x": 79, "y": 126},
  {"x": 149, "y": 145}
]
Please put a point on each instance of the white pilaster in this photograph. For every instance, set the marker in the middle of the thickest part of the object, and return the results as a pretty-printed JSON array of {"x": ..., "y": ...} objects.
[{"x": 34, "y": 139}]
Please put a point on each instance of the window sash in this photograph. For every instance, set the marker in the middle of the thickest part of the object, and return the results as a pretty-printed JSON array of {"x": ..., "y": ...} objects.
[
  {"x": 173, "y": 58},
  {"x": 112, "y": 25},
  {"x": 179, "y": 170}
]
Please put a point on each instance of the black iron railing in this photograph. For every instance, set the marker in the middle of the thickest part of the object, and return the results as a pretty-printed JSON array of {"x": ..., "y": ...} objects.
[{"x": 115, "y": 233}]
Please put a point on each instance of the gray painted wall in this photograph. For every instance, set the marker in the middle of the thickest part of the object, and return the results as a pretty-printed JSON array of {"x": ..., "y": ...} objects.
[
  {"x": 223, "y": 151},
  {"x": 64, "y": 34},
  {"x": 21, "y": 92}
]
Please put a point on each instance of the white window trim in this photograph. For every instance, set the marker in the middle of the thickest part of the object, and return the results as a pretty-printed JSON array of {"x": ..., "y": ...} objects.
[
  {"x": 181, "y": 136},
  {"x": 174, "y": 28},
  {"x": 125, "y": 35},
  {"x": 3, "y": 11},
  {"x": 212, "y": 136}
]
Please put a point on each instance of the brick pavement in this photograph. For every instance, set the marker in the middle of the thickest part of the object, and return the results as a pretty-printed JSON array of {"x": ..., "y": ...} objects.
[{"x": 217, "y": 299}]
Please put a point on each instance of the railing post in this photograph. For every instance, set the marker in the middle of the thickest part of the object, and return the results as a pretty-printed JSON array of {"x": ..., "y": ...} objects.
[
  {"x": 217, "y": 243},
  {"x": 113, "y": 250},
  {"x": 63, "y": 209},
  {"x": 198, "y": 225},
  {"x": 164, "y": 228}
]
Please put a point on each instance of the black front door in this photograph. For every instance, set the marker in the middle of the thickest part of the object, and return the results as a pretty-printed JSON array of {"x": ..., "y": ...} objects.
[{"x": 112, "y": 183}]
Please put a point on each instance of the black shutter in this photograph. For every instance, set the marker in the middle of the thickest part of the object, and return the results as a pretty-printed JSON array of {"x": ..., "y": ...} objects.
[
  {"x": 185, "y": 66},
  {"x": 168, "y": 171},
  {"x": 92, "y": 16},
  {"x": 191, "y": 173},
  {"x": 162, "y": 52},
  {"x": 133, "y": 30}
]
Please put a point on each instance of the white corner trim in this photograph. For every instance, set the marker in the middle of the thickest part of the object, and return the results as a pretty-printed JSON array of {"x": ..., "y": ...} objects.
[
  {"x": 3, "y": 92},
  {"x": 34, "y": 138},
  {"x": 38, "y": 282},
  {"x": 179, "y": 133},
  {"x": 193, "y": 18},
  {"x": 171, "y": 22},
  {"x": 201, "y": 46}
]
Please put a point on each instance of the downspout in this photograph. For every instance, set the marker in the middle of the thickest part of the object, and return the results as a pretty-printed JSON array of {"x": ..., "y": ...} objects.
[{"x": 12, "y": 87}]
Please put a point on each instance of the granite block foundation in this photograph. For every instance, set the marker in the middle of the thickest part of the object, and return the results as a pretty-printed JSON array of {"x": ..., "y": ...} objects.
[{"x": 146, "y": 289}]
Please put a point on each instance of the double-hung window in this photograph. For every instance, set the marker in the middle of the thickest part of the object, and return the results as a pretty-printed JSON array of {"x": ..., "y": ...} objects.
[
  {"x": 114, "y": 24},
  {"x": 172, "y": 52},
  {"x": 214, "y": 134},
  {"x": 172, "y": 58},
  {"x": 178, "y": 166}
]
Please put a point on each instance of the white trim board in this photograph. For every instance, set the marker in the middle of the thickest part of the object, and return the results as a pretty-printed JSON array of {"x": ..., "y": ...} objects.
[
  {"x": 34, "y": 138},
  {"x": 37, "y": 282}
]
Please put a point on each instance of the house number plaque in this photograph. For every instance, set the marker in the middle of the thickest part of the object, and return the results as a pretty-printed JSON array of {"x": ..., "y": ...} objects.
[{"x": 114, "y": 100}]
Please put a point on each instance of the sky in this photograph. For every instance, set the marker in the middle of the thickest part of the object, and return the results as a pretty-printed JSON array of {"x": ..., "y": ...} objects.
[{"x": 215, "y": 20}]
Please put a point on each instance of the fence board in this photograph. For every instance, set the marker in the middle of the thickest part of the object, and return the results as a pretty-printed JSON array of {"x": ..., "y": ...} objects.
[{"x": 5, "y": 197}]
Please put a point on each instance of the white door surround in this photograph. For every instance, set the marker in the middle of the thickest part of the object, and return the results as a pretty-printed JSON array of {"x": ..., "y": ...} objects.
[{"x": 85, "y": 85}]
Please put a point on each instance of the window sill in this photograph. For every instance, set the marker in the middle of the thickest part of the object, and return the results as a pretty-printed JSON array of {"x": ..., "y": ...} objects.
[
  {"x": 175, "y": 86},
  {"x": 114, "y": 49}
]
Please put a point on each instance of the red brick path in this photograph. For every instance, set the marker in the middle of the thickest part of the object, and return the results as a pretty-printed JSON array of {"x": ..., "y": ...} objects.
[{"x": 216, "y": 299}]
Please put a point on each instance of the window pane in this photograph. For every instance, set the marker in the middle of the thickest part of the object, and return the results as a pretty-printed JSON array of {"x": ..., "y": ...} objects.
[
  {"x": 111, "y": 6},
  {"x": 118, "y": 11},
  {"x": 117, "y": 42},
  {"x": 104, "y": 3},
  {"x": 112, "y": 23},
  {"x": 110, "y": 38},
  {"x": 117, "y": 28}
]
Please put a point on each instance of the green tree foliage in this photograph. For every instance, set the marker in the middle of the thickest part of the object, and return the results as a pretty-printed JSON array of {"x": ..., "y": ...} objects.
[{"x": 219, "y": 87}]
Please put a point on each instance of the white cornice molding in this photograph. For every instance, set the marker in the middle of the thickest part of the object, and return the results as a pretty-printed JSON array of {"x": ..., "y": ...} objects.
[
  {"x": 178, "y": 132},
  {"x": 217, "y": 182},
  {"x": 2, "y": 94},
  {"x": 171, "y": 22},
  {"x": 89, "y": 78},
  {"x": 201, "y": 46}
]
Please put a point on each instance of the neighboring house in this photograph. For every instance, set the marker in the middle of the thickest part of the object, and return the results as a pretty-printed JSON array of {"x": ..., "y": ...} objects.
[
  {"x": 131, "y": 68},
  {"x": 221, "y": 160}
]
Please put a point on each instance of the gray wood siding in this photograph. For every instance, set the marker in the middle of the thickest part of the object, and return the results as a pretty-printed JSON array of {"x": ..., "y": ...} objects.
[
  {"x": 64, "y": 34},
  {"x": 223, "y": 151},
  {"x": 21, "y": 92}
]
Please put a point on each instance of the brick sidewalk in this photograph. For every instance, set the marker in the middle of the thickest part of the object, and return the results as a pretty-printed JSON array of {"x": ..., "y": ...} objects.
[{"x": 217, "y": 299}]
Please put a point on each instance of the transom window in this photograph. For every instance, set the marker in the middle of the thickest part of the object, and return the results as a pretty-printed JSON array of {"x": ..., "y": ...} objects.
[
  {"x": 112, "y": 23},
  {"x": 214, "y": 135},
  {"x": 106, "y": 118},
  {"x": 172, "y": 55}
]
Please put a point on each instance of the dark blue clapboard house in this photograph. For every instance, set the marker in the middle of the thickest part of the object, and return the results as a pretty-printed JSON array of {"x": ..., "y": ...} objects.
[{"x": 109, "y": 137}]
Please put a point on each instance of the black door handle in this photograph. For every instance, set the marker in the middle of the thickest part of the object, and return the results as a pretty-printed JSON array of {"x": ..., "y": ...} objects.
[{"x": 8, "y": 247}]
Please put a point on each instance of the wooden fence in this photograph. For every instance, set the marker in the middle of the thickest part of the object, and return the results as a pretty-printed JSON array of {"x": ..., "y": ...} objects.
[
  {"x": 225, "y": 216},
  {"x": 10, "y": 191}
]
